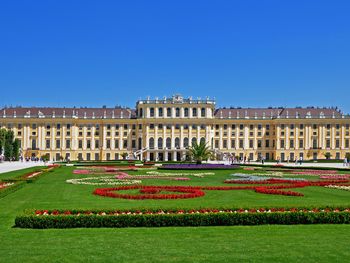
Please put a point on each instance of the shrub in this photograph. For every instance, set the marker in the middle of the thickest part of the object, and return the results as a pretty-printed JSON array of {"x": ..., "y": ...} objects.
[{"x": 201, "y": 217}]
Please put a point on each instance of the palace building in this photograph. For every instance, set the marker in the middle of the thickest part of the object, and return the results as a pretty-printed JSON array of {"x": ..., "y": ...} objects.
[{"x": 162, "y": 129}]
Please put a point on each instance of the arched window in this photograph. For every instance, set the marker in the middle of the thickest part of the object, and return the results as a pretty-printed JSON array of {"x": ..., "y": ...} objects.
[
  {"x": 177, "y": 143},
  {"x": 177, "y": 112},
  {"x": 141, "y": 113},
  {"x": 151, "y": 112},
  {"x": 202, "y": 140},
  {"x": 203, "y": 112},
  {"x": 185, "y": 142},
  {"x": 194, "y": 112},
  {"x": 160, "y": 112},
  {"x": 186, "y": 112},
  {"x": 168, "y": 143},
  {"x": 194, "y": 141},
  {"x": 151, "y": 143},
  {"x": 160, "y": 143},
  {"x": 168, "y": 112}
]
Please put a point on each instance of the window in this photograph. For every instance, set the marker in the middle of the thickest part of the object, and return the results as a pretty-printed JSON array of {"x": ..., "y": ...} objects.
[
  {"x": 116, "y": 144},
  {"x": 186, "y": 142},
  {"x": 301, "y": 126},
  {"x": 291, "y": 143},
  {"x": 241, "y": 126},
  {"x": 47, "y": 144},
  {"x": 337, "y": 143},
  {"x": 151, "y": 112},
  {"x": 108, "y": 144},
  {"x": 259, "y": 143},
  {"x": 186, "y": 112},
  {"x": 58, "y": 144},
  {"x": 203, "y": 112},
  {"x": 125, "y": 144},
  {"x": 224, "y": 142},
  {"x": 347, "y": 143},
  {"x": 97, "y": 144},
  {"x": 194, "y": 112},
  {"x": 88, "y": 144},
  {"x": 233, "y": 144},
  {"x": 67, "y": 144},
  {"x": 233, "y": 127},
  {"x": 267, "y": 127},
  {"x": 177, "y": 112},
  {"x": 168, "y": 112},
  {"x": 133, "y": 144},
  {"x": 301, "y": 144},
  {"x": 241, "y": 145},
  {"x": 168, "y": 143},
  {"x": 251, "y": 144},
  {"x": 80, "y": 144},
  {"x": 194, "y": 140},
  {"x": 267, "y": 143},
  {"x": 282, "y": 143},
  {"x": 160, "y": 143},
  {"x": 314, "y": 144},
  {"x": 125, "y": 127},
  {"x": 160, "y": 112},
  {"x": 177, "y": 143},
  {"x": 216, "y": 144}
]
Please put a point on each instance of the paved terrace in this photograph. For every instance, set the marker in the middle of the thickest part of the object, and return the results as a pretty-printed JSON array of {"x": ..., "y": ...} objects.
[{"x": 13, "y": 166}]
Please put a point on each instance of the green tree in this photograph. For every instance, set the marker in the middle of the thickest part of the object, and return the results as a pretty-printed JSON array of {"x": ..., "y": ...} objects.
[
  {"x": 15, "y": 148},
  {"x": 347, "y": 155},
  {"x": 328, "y": 155},
  {"x": 199, "y": 152},
  {"x": 124, "y": 155},
  {"x": 2, "y": 139}
]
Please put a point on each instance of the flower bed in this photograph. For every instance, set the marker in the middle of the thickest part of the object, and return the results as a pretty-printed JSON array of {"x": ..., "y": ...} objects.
[
  {"x": 335, "y": 177},
  {"x": 5, "y": 185},
  {"x": 186, "y": 192},
  {"x": 179, "y": 174},
  {"x": 340, "y": 187},
  {"x": 315, "y": 172},
  {"x": 197, "y": 166},
  {"x": 181, "y": 217},
  {"x": 103, "y": 180},
  {"x": 270, "y": 186}
]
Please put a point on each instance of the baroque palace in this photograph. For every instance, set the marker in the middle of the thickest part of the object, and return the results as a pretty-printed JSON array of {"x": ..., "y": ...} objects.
[{"x": 162, "y": 129}]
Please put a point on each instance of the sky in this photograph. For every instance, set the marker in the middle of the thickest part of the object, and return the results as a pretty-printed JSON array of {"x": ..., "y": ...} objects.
[{"x": 244, "y": 53}]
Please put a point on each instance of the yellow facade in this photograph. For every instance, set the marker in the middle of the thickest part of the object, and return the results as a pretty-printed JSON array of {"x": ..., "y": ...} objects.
[{"x": 162, "y": 129}]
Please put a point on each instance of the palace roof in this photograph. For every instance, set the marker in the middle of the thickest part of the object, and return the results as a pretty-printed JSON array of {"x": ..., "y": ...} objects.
[{"x": 81, "y": 113}]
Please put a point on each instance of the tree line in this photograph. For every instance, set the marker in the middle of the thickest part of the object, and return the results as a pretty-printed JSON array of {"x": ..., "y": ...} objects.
[{"x": 9, "y": 146}]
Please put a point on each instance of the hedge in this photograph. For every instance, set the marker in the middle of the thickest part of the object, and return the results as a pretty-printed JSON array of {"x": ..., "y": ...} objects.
[{"x": 180, "y": 219}]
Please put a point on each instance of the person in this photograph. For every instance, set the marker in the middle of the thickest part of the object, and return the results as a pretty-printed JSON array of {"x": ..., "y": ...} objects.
[
  {"x": 301, "y": 160},
  {"x": 345, "y": 162},
  {"x": 262, "y": 160}
]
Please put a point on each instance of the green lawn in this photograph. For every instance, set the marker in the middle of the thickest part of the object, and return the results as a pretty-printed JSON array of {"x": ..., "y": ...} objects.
[{"x": 311, "y": 243}]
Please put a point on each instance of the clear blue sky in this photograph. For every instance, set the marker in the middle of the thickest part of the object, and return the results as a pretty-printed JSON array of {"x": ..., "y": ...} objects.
[{"x": 245, "y": 53}]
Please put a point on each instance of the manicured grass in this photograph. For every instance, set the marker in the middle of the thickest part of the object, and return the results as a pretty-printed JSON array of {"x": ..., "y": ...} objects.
[{"x": 311, "y": 243}]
